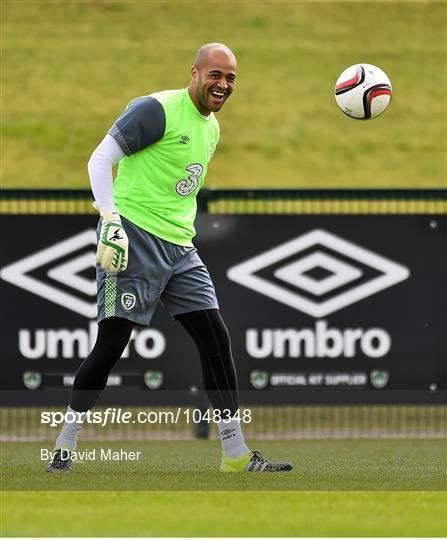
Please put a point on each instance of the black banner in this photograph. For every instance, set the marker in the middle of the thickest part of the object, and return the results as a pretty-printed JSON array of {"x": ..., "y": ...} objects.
[
  {"x": 333, "y": 301},
  {"x": 319, "y": 308}
]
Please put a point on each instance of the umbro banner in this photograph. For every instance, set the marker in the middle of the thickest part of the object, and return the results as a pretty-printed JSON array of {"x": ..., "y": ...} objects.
[{"x": 321, "y": 309}]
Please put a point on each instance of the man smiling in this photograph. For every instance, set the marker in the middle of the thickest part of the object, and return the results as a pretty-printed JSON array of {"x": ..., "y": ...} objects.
[
  {"x": 213, "y": 77},
  {"x": 163, "y": 143}
]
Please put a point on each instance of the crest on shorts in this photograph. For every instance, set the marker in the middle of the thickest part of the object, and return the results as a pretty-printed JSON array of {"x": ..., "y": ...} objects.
[{"x": 128, "y": 300}]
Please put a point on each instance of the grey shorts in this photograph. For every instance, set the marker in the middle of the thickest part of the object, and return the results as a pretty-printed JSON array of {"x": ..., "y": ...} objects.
[{"x": 158, "y": 271}]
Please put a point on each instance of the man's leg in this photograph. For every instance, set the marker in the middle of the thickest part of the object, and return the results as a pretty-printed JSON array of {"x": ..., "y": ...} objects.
[
  {"x": 190, "y": 297},
  {"x": 210, "y": 334},
  {"x": 90, "y": 381}
]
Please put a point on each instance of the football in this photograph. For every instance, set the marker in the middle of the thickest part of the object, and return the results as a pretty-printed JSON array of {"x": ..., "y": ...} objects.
[{"x": 363, "y": 91}]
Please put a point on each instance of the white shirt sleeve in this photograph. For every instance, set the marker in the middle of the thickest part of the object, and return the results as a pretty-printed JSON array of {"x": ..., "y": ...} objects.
[{"x": 100, "y": 165}]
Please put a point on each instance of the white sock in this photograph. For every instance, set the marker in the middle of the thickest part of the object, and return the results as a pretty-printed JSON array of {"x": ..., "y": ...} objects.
[
  {"x": 231, "y": 438},
  {"x": 68, "y": 437}
]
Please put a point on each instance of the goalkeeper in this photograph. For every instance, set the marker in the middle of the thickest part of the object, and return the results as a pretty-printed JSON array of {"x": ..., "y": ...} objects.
[{"x": 163, "y": 143}]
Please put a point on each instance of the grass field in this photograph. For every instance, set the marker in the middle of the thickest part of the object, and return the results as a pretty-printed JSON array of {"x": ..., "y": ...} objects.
[
  {"x": 193, "y": 465},
  {"x": 344, "y": 487},
  {"x": 70, "y": 67},
  {"x": 220, "y": 514}
]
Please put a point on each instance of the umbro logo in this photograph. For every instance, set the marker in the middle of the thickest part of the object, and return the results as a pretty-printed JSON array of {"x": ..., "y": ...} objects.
[
  {"x": 65, "y": 281},
  {"x": 184, "y": 139},
  {"x": 318, "y": 273},
  {"x": 227, "y": 432}
]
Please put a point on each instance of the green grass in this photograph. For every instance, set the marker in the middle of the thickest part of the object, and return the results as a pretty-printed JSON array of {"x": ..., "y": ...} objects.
[
  {"x": 338, "y": 488},
  {"x": 220, "y": 514},
  {"x": 69, "y": 68},
  {"x": 193, "y": 465}
]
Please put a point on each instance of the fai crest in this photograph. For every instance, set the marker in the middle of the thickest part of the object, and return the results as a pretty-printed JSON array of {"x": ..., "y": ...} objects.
[
  {"x": 32, "y": 379},
  {"x": 259, "y": 379},
  {"x": 379, "y": 378},
  {"x": 128, "y": 301},
  {"x": 153, "y": 379}
]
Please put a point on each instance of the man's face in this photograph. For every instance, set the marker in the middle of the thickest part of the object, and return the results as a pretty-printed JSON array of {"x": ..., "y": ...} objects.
[{"x": 214, "y": 81}]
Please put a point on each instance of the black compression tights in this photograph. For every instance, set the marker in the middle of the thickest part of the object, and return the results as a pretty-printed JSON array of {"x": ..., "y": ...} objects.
[
  {"x": 210, "y": 334},
  {"x": 91, "y": 377},
  {"x": 206, "y": 328}
]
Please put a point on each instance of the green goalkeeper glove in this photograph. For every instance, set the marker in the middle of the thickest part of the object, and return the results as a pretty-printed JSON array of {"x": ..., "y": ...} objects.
[{"x": 113, "y": 245}]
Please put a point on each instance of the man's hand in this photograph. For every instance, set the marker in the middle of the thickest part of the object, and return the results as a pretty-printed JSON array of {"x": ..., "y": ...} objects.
[{"x": 113, "y": 244}]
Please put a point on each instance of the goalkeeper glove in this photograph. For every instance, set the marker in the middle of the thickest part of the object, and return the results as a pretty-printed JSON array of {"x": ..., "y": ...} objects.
[{"x": 113, "y": 245}]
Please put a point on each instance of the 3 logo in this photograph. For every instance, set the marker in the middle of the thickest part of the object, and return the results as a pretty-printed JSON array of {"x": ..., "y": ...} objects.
[{"x": 186, "y": 187}]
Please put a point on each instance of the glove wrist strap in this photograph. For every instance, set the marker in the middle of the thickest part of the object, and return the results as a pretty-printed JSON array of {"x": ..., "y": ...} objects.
[{"x": 109, "y": 216}]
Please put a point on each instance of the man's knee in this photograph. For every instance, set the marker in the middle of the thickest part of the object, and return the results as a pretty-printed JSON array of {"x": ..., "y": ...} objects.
[{"x": 113, "y": 334}]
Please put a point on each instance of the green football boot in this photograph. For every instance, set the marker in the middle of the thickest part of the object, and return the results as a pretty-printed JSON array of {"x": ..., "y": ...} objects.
[{"x": 253, "y": 462}]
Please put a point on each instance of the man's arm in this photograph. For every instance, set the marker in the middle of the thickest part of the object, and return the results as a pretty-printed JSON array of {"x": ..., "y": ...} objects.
[
  {"x": 100, "y": 166},
  {"x": 142, "y": 124},
  {"x": 113, "y": 245}
]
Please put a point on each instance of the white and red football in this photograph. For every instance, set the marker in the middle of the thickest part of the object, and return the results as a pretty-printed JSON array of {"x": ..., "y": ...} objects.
[{"x": 363, "y": 91}]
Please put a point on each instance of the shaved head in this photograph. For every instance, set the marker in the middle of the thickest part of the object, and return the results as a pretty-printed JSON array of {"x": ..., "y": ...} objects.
[
  {"x": 208, "y": 49},
  {"x": 213, "y": 77}
]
